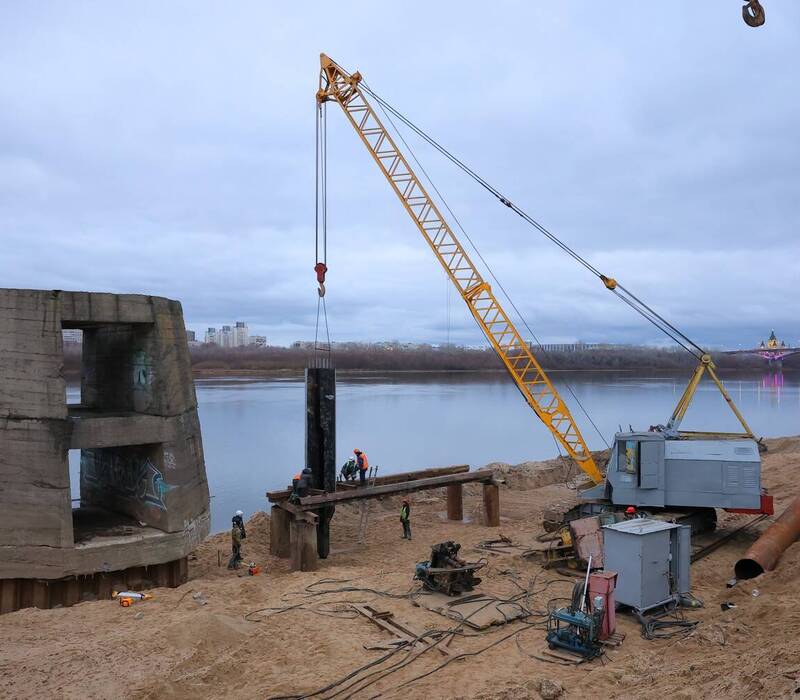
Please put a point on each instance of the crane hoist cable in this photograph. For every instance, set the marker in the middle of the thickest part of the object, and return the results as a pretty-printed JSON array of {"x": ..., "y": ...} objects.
[
  {"x": 349, "y": 91},
  {"x": 610, "y": 283},
  {"x": 321, "y": 224},
  {"x": 516, "y": 353},
  {"x": 486, "y": 265},
  {"x": 705, "y": 362}
]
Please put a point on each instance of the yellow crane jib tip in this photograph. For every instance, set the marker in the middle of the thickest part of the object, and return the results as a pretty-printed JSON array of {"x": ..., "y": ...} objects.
[{"x": 610, "y": 282}]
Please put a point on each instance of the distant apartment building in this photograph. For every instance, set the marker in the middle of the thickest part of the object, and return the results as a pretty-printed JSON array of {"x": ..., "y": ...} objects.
[
  {"x": 225, "y": 337},
  {"x": 241, "y": 336},
  {"x": 236, "y": 336},
  {"x": 563, "y": 347},
  {"x": 191, "y": 336}
]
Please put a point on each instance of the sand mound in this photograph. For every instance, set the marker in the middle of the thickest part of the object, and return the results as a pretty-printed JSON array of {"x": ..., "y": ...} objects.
[{"x": 180, "y": 649}]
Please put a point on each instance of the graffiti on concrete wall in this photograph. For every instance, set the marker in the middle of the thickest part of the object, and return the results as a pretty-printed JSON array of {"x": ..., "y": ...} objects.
[{"x": 126, "y": 474}]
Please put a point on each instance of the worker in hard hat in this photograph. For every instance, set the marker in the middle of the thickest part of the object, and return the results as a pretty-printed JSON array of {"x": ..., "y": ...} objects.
[
  {"x": 630, "y": 513},
  {"x": 237, "y": 535},
  {"x": 238, "y": 519},
  {"x": 300, "y": 485},
  {"x": 405, "y": 518},
  {"x": 349, "y": 470},
  {"x": 362, "y": 464}
]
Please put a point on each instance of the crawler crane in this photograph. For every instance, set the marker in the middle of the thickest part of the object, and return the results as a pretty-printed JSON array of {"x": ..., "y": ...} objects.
[{"x": 663, "y": 468}]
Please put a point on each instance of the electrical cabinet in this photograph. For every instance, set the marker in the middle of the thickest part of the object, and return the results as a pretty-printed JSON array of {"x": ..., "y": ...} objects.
[{"x": 651, "y": 558}]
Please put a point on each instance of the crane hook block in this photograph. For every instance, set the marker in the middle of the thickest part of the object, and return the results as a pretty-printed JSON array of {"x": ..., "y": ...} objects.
[
  {"x": 753, "y": 13},
  {"x": 321, "y": 268}
]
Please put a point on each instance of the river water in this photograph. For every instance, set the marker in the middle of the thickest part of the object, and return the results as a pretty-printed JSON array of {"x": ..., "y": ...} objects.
[{"x": 253, "y": 429}]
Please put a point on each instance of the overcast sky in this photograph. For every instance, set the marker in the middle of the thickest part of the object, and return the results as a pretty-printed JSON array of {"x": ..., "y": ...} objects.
[{"x": 168, "y": 149}]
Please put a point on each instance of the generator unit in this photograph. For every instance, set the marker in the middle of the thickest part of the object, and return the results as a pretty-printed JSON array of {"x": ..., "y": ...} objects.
[
  {"x": 652, "y": 560},
  {"x": 654, "y": 470}
]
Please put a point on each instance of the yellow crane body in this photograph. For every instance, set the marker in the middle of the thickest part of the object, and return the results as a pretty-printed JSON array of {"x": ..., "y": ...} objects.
[{"x": 539, "y": 392}]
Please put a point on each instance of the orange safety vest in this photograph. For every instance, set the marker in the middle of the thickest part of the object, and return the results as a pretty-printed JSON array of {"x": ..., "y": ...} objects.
[{"x": 362, "y": 461}]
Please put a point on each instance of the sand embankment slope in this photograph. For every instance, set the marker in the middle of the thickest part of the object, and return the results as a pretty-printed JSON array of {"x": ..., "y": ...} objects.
[{"x": 177, "y": 648}]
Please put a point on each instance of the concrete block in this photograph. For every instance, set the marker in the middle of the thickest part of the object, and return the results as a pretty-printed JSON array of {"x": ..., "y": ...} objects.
[{"x": 137, "y": 428}]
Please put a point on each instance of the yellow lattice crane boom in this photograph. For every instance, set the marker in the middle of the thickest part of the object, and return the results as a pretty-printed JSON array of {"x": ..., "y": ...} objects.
[{"x": 339, "y": 86}]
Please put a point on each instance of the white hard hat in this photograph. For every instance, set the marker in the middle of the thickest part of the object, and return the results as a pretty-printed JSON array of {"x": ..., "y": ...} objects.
[{"x": 239, "y": 512}]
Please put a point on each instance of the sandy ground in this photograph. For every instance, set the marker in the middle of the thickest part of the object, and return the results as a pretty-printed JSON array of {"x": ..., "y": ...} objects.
[{"x": 174, "y": 647}]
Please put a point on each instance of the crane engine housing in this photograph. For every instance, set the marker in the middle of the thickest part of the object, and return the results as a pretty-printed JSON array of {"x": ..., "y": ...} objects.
[{"x": 652, "y": 470}]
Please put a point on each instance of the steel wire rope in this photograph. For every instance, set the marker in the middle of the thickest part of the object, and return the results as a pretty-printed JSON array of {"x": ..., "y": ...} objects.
[
  {"x": 483, "y": 260},
  {"x": 317, "y": 118},
  {"x": 652, "y": 316},
  {"x": 321, "y": 188}
]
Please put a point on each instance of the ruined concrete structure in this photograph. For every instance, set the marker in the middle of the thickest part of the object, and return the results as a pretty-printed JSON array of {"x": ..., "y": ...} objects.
[{"x": 143, "y": 497}]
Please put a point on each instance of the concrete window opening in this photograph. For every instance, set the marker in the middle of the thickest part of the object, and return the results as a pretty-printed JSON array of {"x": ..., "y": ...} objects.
[
  {"x": 117, "y": 368},
  {"x": 74, "y": 462},
  {"x": 121, "y": 493},
  {"x": 72, "y": 343}
]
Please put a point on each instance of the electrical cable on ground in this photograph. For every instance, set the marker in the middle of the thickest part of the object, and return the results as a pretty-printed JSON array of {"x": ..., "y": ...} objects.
[
  {"x": 356, "y": 684},
  {"x": 666, "y": 624}
]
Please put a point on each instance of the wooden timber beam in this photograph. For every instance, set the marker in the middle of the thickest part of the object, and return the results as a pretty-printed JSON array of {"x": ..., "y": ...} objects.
[
  {"x": 300, "y": 513},
  {"x": 420, "y": 474},
  {"x": 283, "y": 494},
  {"x": 482, "y": 475}
]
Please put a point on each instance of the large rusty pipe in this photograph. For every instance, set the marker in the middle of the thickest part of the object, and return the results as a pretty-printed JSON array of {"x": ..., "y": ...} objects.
[{"x": 767, "y": 549}]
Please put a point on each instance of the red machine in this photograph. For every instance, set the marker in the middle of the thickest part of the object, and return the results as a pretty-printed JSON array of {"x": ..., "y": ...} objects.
[{"x": 601, "y": 585}]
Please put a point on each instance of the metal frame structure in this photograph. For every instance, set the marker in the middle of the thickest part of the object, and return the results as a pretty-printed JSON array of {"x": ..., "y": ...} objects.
[
  {"x": 339, "y": 86},
  {"x": 706, "y": 365}
]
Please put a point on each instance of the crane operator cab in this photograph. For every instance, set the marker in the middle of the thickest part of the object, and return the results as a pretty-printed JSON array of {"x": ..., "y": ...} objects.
[{"x": 652, "y": 470}]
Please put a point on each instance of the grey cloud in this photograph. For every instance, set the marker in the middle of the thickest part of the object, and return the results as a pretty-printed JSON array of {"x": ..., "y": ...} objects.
[{"x": 168, "y": 149}]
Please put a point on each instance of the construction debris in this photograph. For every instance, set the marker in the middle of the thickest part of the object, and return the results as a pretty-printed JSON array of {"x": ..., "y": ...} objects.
[
  {"x": 403, "y": 636},
  {"x": 479, "y": 610}
]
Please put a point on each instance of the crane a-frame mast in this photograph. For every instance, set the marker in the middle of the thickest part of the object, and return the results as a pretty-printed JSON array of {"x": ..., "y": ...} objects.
[{"x": 339, "y": 86}]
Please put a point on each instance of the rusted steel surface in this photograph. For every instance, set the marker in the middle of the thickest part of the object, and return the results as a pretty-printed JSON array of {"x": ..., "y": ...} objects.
[
  {"x": 18, "y": 593},
  {"x": 587, "y": 538},
  {"x": 765, "y": 552}
]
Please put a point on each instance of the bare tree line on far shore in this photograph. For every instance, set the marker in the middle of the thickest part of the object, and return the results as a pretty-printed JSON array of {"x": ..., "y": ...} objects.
[{"x": 207, "y": 359}]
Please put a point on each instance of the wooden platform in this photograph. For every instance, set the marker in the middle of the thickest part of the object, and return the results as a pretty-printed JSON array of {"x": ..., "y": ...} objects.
[
  {"x": 283, "y": 494},
  {"x": 293, "y": 526},
  {"x": 486, "y": 476},
  {"x": 477, "y": 610}
]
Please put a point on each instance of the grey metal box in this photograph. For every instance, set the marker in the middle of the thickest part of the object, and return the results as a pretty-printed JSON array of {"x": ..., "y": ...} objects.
[
  {"x": 649, "y": 469},
  {"x": 652, "y": 558}
]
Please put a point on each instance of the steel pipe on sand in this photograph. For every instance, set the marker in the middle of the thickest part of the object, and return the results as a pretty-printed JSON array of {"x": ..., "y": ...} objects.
[{"x": 767, "y": 549}]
